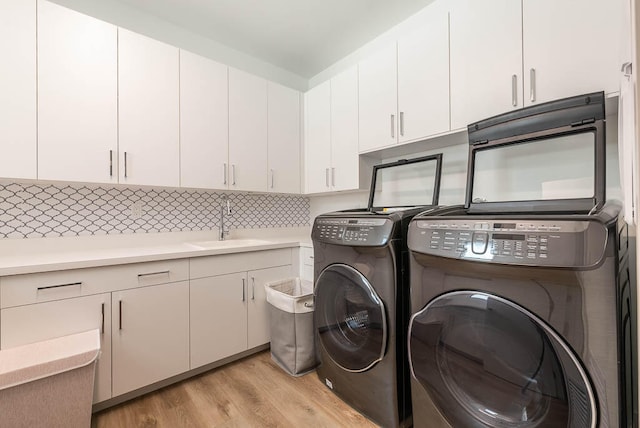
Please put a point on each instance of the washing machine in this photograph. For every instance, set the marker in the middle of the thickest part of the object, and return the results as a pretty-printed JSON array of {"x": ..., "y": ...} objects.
[
  {"x": 360, "y": 291},
  {"x": 522, "y": 302}
]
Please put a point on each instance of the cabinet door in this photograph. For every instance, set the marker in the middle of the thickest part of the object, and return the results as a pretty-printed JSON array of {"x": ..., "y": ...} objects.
[
  {"x": 317, "y": 138},
  {"x": 378, "y": 80},
  {"x": 148, "y": 111},
  {"x": 22, "y": 325},
  {"x": 218, "y": 317},
  {"x": 486, "y": 59},
  {"x": 284, "y": 139},
  {"x": 150, "y": 335},
  {"x": 18, "y": 88},
  {"x": 204, "y": 123},
  {"x": 77, "y": 96},
  {"x": 423, "y": 78},
  {"x": 571, "y": 47},
  {"x": 344, "y": 130},
  {"x": 247, "y": 131},
  {"x": 258, "y": 312}
]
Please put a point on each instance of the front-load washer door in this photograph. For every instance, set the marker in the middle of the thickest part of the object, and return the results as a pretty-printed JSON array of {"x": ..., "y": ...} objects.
[
  {"x": 350, "y": 318},
  {"x": 488, "y": 362}
]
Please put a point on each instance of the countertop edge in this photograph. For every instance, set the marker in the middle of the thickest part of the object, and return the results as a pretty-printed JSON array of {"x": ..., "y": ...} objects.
[{"x": 146, "y": 254}]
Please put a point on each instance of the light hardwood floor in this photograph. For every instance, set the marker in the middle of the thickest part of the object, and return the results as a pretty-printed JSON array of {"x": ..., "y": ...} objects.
[{"x": 253, "y": 392}]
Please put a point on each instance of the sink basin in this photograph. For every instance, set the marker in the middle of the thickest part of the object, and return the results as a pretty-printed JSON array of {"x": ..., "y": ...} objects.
[{"x": 229, "y": 243}]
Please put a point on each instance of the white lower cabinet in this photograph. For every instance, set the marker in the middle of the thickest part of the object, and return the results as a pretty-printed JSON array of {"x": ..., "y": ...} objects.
[
  {"x": 258, "y": 324},
  {"x": 229, "y": 313},
  {"x": 156, "y": 319},
  {"x": 218, "y": 317},
  {"x": 150, "y": 335},
  {"x": 22, "y": 325}
]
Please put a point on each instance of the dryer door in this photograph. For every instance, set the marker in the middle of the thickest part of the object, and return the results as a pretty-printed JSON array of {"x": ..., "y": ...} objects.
[
  {"x": 350, "y": 318},
  {"x": 486, "y": 361}
]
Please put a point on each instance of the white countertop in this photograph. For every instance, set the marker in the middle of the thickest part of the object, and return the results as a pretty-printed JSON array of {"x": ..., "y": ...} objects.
[{"x": 51, "y": 254}]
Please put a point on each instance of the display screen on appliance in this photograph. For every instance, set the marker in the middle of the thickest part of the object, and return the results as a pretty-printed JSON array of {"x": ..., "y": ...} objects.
[
  {"x": 561, "y": 167},
  {"x": 508, "y": 236},
  {"x": 504, "y": 225}
]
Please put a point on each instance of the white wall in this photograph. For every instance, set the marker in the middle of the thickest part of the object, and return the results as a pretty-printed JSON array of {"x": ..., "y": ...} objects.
[
  {"x": 136, "y": 20},
  {"x": 413, "y": 23},
  {"x": 341, "y": 201}
]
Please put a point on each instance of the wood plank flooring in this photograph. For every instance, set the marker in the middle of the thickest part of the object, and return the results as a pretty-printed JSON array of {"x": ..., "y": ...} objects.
[{"x": 253, "y": 392}]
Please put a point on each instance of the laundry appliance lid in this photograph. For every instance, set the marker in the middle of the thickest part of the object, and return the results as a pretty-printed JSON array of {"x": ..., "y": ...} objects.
[
  {"x": 545, "y": 158},
  {"x": 405, "y": 184}
]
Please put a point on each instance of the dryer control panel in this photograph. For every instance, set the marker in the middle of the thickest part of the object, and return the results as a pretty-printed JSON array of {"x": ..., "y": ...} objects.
[
  {"x": 536, "y": 243},
  {"x": 372, "y": 232}
]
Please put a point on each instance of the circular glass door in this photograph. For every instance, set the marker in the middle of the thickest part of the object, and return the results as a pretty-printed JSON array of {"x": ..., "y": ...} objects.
[
  {"x": 486, "y": 361},
  {"x": 350, "y": 318}
]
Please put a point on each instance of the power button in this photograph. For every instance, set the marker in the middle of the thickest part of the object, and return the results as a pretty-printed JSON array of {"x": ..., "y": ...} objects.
[{"x": 479, "y": 242}]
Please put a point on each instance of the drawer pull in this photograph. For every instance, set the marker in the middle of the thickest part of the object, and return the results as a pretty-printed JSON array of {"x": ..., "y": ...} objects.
[
  {"x": 145, "y": 275},
  {"x": 49, "y": 287}
]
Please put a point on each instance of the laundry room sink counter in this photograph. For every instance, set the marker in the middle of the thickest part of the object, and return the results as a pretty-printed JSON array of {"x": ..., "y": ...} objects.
[{"x": 51, "y": 254}]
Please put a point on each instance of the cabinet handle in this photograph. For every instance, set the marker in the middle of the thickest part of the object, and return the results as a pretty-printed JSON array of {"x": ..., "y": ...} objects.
[
  {"x": 514, "y": 90},
  {"x": 110, "y": 163},
  {"x": 272, "y": 175},
  {"x": 333, "y": 176},
  {"x": 125, "y": 164},
  {"x": 102, "y": 323},
  {"x": 143, "y": 275},
  {"x": 243, "y": 296},
  {"x": 224, "y": 174},
  {"x": 49, "y": 287},
  {"x": 401, "y": 123},
  {"x": 326, "y": 176},
  {"x": 119, "y": 314},
  {"x": 393, "y": 126},
  {"x": 233, "y": 174},
  {"x": 532, "y": 77},
  {"x": 253, "y": 288}
]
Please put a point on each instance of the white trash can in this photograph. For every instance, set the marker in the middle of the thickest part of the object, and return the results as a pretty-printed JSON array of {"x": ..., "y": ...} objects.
[
  {"x": 49, "y": 383},
  {"x": 291, "y": 310}
]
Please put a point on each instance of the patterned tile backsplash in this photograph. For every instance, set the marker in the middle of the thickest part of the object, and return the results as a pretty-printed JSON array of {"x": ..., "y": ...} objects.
[{"x": 29, "y": 210}]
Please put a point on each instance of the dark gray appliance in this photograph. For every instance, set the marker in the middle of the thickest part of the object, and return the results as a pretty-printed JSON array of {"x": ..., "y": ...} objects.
[
  {"x": 523, "y": 310},
  {"x": 361, "y": 308}
]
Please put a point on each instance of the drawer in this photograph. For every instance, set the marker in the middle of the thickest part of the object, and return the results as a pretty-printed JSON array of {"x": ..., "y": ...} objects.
[
  {"x": 306, "y": 254},
  {"x": 202, "y": 267},
  {"x": 48, "y": 286}
]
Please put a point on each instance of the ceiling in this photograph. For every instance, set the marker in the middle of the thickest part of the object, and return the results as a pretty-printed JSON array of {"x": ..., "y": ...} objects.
[{"x": 301, "y": 36}]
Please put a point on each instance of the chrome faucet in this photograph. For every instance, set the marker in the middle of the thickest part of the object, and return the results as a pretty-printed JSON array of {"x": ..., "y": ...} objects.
[{"x": 225, "y": 209}]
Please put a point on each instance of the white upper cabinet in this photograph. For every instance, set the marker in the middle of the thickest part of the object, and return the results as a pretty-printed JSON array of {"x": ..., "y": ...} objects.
[
  {"x": 486, "y": 59},
  {"x": 423, "y": 78},
  {"x": 204, "y": 123},
  {"x": 18, "y": 88},
  {"x": 378, "y": 80},
  {"x": 247, "y": 131},
  {"x": 345, "y": 165},
  {"x": 317, "y": 138},
  {"x": 77, "y": 96},
  {"x": 332, "y": 162},
  {"x": 571, "y": 47},
  {"x": 148, "y": 111},
  {"x": 283, "y": 139}
]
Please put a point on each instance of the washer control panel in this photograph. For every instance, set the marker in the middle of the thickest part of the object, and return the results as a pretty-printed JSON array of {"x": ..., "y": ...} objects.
[
  {"x": 352, "y": 231},
  {"x": 540, "y": 243}
]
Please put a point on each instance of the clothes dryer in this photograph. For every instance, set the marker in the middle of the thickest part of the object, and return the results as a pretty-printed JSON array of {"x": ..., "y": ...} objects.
[
  {"x": 360, "y": 293},
  {"x": 523, "y": 306}
]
